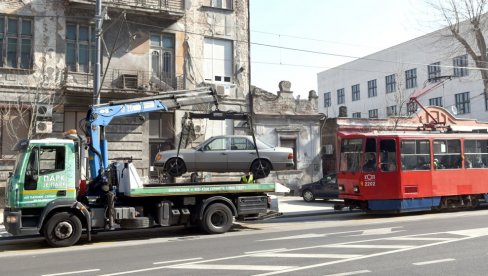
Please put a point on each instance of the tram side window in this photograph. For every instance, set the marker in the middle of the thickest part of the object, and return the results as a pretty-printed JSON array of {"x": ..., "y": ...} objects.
[
  {"x": 350, "y": 155},
  {"x": 369, "y": 164},
  {"x": 388, "y": 161},
  {"x": 415, "y": 155},
  {"x": 475, "y": 153},
  {"x": 447, "y": 154}
]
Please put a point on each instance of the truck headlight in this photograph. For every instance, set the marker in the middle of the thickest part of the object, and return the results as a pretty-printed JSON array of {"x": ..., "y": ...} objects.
[{"x": 11, "y": 219}]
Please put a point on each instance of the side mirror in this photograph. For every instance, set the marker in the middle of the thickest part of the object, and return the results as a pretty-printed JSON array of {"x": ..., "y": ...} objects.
[{"x": 10, "y": 174}]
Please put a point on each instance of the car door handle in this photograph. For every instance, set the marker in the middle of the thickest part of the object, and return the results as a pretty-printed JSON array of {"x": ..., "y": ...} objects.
[
  {"x": 252, "y": 153},
  {"x": 223, "y": 153},
  {"x": 61, "y": 193}
]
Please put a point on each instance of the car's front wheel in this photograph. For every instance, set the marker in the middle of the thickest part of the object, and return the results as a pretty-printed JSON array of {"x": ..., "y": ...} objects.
[
  {"x": 260, "y": 168},
  {"x": 308, "y": 196},
  {"x": 175, "y": 167}
]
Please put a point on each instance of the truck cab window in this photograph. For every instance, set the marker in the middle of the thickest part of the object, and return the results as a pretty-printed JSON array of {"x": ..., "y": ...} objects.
[
  {"x": 42, "y": 161},
  {"x": 51, "y": 159}
]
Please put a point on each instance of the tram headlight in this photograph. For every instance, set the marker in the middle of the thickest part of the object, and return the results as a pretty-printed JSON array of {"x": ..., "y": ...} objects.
[
  {"x": 355, "y": 189},
  {"x": 341, "y": 188}
]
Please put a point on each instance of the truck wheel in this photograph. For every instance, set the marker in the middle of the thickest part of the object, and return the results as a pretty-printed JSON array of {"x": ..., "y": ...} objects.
[
  {"x": 217, "y": 219},
  {"x": 62, "y": 229}
]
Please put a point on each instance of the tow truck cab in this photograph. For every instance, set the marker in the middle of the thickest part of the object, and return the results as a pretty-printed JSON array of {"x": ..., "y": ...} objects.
[{"x": 46, "y": 173}]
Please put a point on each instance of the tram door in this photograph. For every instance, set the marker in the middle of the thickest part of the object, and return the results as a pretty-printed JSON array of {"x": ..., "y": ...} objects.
[
  {"x": 368, "y": 183},
  {"x": 387, "y": 177}
]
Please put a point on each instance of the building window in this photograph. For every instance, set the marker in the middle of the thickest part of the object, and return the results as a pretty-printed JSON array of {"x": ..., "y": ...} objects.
[
  {"x": 411, "y": 78},
  {"x": 434, "y": 71},
  {"x": 435, "y": 101},
  {"x": 373, "y": 113},
  {"x": 356, "y": 96},
  {"x": 356, "y": 115},
  {"x": 372, "y": 91},
  {"x": 15, "y": 42},
  {"x": 390, "y": 83},
  {"x": 218, "y": 60},
  {"x": 411, "y": 108},
  {"x": 391, "y": 110},
  {"x": 460, "y": 63},
  {"x": 80, "y": 47},
  {"x": 341, "y": 97},
  {"x": 327, "y": 99},
  {"x": 221, "y": 4},
  {"x": 163, "y": 58},
  {"x": 462, "y": 103}
]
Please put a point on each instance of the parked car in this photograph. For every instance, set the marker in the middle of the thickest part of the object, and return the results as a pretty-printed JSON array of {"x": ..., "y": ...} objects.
[
  {"x": 227, "y": 153},
  {"x": 325, "y": 188}
]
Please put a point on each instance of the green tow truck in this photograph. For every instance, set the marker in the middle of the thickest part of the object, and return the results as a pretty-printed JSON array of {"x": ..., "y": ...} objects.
[{"x": 46, "y": 193}]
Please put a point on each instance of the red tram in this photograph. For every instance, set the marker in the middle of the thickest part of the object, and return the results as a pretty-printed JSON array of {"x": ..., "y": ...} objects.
[{"x": 412, "y": 171}]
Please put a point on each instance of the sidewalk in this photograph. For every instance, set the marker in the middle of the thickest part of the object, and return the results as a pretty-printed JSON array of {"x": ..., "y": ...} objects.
[{"x": 294, "y": 206}]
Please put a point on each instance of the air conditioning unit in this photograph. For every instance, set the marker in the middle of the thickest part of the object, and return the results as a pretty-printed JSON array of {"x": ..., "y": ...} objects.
[
  {"x": 44, "y": 110},
  {"x": 199, "y": 128},
  {"x": 44, "y": 127},
  {"x": 225, "y": 89}
]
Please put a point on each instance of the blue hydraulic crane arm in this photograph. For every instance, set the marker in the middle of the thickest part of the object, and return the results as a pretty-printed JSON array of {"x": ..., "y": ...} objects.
[{"x": 100, "y": 116}]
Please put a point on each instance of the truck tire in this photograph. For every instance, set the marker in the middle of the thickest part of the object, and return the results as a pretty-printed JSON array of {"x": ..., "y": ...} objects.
[
  {"x": 135, "y": 223},
  {"x": 217, "y": 219},
  {"x": 62, "y": 229}
]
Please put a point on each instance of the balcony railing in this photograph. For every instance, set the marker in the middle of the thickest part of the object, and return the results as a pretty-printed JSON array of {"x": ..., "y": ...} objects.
[
  {"x": 172, "y": 8},
  {"x": 117, "y": 80}
]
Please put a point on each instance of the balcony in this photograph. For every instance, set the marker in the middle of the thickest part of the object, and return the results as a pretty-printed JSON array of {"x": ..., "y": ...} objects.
[
  {"x": 170, "y": 9},
  {"x": 122, "y": 81}
]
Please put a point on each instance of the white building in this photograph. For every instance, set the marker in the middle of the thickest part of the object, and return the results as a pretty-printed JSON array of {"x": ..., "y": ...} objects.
[{"x": 380, "y": 85}]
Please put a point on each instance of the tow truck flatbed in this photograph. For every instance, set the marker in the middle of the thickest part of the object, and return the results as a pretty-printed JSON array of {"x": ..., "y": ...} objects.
[{"x": 201, "y": 189}]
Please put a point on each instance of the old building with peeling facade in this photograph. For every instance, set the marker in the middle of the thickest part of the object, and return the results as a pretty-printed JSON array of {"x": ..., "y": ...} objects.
[
  {"x": 283, "y": 120},
  {"x": 47, "y": 55}
]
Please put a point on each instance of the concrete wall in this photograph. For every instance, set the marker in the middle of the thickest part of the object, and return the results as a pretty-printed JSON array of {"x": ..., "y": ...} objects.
[{"x": 282, "y": 116}]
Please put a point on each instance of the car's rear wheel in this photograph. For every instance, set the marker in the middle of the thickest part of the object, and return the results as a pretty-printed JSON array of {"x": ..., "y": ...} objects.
[
  {"x": 260, "y": 168},
  {"x": 308, "y": 196},
  {"x": 175, "y": 167}
]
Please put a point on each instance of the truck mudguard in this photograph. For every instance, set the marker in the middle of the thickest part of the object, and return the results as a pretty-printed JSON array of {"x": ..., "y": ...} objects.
[{"x": 210, "y": 200}]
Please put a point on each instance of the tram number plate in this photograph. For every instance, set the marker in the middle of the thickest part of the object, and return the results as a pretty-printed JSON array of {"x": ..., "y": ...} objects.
[{"x": 369, "y": 180}]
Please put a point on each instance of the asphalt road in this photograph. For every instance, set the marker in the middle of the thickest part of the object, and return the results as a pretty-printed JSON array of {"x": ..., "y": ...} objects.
[{"x": 323, "y": 244}]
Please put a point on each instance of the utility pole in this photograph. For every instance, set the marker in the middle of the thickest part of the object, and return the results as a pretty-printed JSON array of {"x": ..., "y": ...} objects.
[{"x": 98, "y": 41}]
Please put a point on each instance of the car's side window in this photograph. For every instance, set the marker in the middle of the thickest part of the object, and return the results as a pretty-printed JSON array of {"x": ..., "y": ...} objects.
[
  {"x": 241, "y": 144},
  {"x": 217, "y": 144}
]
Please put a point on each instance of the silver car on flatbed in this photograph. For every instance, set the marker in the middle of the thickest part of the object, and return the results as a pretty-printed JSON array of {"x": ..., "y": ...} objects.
[{"x": 227, "y": 153}]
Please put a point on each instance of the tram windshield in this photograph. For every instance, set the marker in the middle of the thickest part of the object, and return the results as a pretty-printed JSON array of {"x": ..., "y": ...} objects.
[{"x": 351, "y": 155}]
